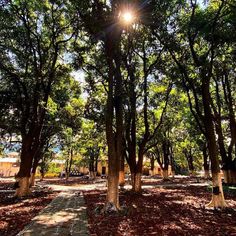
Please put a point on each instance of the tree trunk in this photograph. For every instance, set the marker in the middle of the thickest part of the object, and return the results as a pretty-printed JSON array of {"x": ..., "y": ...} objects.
[
  {"x": 122, "y": 172},
  {"x": 33, "y": 171},
  {"x": 152, "y": 165},
  {"x": 207, "y": 174},
  {"x": 32, "y": 179},
  {"x": 137, "y": 185},
  {"x": 69, "y": 163},
  {"x": 205, "y": 162},
  {"x": 112, "y": 199},
  {"x": 165, "y": 149},
  {"x": 232, "y": 124},
  {"x": 172, "y": 162},
  {"x": 42, "y": 176},
  {"x": 217, "y": 195},
  {"x": 91, "y": 167},
  {"x": 173, "y": 173},
  {"x": 229, "y": 175},
  {"x": 165, "y": 174},
  {"x": 92, "y": 175},
  {"x": 24, "y": 172},
  {"x": 189, "y": 158},
  {"x": 233, "y": 176},
  {"x": 137, "y": 173},
  {"x": 226, "y": 159},
  {"x": 67, "y": 175},
  {"x": 136, "y": 182},
  {"x": 24, "y": 188},
  {"x": 114, "y": 100},
  {"x": 96, "y": 167},
  {"x": 190, "y": 165}
]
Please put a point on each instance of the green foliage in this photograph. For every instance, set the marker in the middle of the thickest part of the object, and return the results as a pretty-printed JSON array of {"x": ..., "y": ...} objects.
[{"x": 163, "y": 60}]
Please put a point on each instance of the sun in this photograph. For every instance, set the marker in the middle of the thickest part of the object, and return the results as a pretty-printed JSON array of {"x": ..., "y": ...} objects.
[{"x": 127, "y": 17}]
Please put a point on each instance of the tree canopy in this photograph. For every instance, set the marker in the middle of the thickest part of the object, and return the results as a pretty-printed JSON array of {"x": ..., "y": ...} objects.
[{"x": 158, "y": 82}]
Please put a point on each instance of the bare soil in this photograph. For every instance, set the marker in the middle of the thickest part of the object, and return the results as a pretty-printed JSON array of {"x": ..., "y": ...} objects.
[
  {"x": 175, "y": 209},
  {"x": 15, "y": 213},
  {"x": 166, "y": 208}
]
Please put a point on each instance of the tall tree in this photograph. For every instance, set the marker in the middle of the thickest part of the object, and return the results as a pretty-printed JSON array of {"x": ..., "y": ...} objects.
[
  {"x": 107, "y": 34},
  {"x": 142, "y": 73},
  {"x": 32, "y": 40},
  {"x": 188, "y": 22}
]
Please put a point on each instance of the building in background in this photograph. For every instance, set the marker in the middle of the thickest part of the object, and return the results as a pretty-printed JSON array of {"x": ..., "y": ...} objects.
[{"x": 9, "y": 165}]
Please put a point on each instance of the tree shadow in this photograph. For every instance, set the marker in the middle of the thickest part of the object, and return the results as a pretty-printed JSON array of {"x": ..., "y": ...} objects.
[{"x": 161, "y": 211}]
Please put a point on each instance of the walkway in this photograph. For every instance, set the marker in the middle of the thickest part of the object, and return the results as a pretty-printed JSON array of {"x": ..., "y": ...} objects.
[{"x": 64, "y": 216}]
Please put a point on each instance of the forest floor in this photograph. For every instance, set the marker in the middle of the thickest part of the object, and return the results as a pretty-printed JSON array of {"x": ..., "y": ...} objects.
[
  {"x": 175, "y": 207},
  {"x": 166, "y": 208},
  {"x": 15, "y": 213}
]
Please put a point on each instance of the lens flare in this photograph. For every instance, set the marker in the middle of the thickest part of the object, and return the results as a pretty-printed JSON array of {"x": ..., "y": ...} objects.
[{"x": 127, "y": 17}]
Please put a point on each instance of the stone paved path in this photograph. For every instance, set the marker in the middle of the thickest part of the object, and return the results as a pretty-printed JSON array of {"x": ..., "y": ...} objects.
[{"x": 64, "y": 216}]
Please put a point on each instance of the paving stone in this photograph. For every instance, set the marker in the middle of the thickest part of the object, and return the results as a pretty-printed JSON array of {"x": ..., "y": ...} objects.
[{"x": 65, "y": 215}]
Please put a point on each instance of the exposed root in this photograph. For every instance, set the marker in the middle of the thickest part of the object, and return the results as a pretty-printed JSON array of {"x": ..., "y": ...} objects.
[
  {"x": 110, "y": 208},
  {"x": 217, "y": 202}
]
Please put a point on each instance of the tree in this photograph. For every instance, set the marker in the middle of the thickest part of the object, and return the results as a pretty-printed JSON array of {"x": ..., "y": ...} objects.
[
  {"x": 195, "y": 61},
  {"x": 30, "y": 66},
  {"x": 92, "y": 145},
  {"x": 142, "y": 102},
  {"x": 109, "y": 43}
]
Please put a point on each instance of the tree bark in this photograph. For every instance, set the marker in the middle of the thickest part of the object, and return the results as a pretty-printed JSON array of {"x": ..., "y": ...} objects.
[
  {"x": 91, "y": 166},
  {"x": 189, "y": 157},
  {"x": 33, "y": 171},
  {"x": 137, "y": 172},
  {"x": 165, "y": 174},
  {"x": 122, "y": 172},
  {"x": 24, "y": 188},
  {"x": 23, "y": 175},
  {"x": 232, "y": 125},
  {"x": 42, "y": 176},
  {"x": 137, "y": 186},
  {"x": 165, "y": 149},
  {"x": 130, "y": 134},
  {"x": 114, "y": 101},
  {"x": 172, "y": 162},
  {"x": 96, "y": 167},
  {"x": 152, "y": 165},
  {"x": 205, "y": 162},
  {"x": 218, "y": 195},
  {"x": 32, "y": 179},
  {"x": 92, "y": 175},
  {"x": 226, "y": 159},
  {"x": 69, "y": 163}
]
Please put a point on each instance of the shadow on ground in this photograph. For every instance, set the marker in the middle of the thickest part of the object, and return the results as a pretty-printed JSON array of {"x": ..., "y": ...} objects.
[{"x": 162, "y": 211}]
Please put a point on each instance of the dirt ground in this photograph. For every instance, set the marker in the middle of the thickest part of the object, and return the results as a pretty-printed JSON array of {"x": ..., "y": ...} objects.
[
  {"x": 17, "y": 213},
  {"x": 170, "y": 210},
  {"x": 164, "y": 208}
]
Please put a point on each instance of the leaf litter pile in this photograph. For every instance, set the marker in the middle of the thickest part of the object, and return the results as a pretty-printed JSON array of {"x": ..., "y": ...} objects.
[
  {"x": 170, "y": 210},
  {"x": 15, "y": 213}
]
